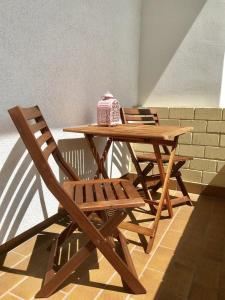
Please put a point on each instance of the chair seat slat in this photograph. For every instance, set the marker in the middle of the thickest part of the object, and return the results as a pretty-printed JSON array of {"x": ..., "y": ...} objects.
[
  {"x": 119, "y": 191},
  {"x": 99, "y": 192},
  {"x": 130, "y": 191},
  {"x": 111, "y": 204},
  {"x": 89, "y": 196},
  {"x": 79, "y": 194},
  {"x": 109, "y": 192},
  {"x": 71, "y": 191},
  {"x": 148, "y": 156}
]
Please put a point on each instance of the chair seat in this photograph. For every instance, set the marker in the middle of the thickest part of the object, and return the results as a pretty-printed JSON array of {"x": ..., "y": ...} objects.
[
  {"x": 101, "y": 194},
  {"x": 144, "y": 157}
]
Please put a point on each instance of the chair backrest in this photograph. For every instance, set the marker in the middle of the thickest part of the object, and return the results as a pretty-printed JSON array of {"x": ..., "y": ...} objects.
[
  {"x": 144, "y": 115},
  {"x": 39, "y": 142}
]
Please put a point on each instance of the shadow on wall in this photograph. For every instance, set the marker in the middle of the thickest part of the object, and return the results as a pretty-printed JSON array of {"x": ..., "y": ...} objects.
[
  {"x": 77, "y": 153},
  {"x": 217, "y": 182},
  {"x": 119, "y": 164},
  {"x": 19, "y": 182},
  {"x": 164, "y": 26}
]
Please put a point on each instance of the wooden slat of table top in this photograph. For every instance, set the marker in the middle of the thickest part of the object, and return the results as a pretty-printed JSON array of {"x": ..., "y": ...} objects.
[{"x": 132, "y": 131}]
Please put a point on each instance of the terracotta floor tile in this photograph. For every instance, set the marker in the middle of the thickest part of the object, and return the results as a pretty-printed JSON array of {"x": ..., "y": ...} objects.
[
  {"x": 171, "y": 239},
  {"x": 9, "y": 296},
  {"x": 185, "y": 212},
  {"x": 140, "y": 260},
  {"x": 151, "y": 279},
  {"x": 10, "y": 280},
  {"x": 83, "y": 292},
  {"x": 179, "y": 224},
  {"x": 207, "y": 273},
  {"x": 221, "y": 294},
  {"x": 114, "y": 289},
  {"x": 26, "y": 247},
  {"x": 161, "y": 259},
  {"x": 198, "y": 292},
  {"x": 163, "y": 225},
  {"x": 10, "y": 259},
  {"x": 56, "y": 296},
  {"x": 91, "y": 272},
  {"x": 112, "y": 295},
  {"x": 29, "y": 287},
  {"x": 177, "y": 281}
]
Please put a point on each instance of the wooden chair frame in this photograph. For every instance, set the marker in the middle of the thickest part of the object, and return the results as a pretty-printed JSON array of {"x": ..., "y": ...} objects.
[
  {"x": 29, "y": 121},
  {"x": 149, "y": 116}
]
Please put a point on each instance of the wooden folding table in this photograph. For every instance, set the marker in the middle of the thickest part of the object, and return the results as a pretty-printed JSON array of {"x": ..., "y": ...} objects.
[{"x": 144, "y": 134}]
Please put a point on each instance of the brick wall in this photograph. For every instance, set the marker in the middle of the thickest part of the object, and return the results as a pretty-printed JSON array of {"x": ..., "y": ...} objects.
[{"x": 206, "y": 143}]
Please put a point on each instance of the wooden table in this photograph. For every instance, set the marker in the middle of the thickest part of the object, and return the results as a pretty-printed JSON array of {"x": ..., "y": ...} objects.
[{"x": 144, "y": 134}]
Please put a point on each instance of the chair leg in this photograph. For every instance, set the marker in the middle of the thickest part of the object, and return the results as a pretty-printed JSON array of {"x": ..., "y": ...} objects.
[
  {"x": 150, "y": 244},
  {"x": 145, "y": 172},
  {"x": 125, "y": 255},
  {"x": 183, "y": 187},
  {"x": 162, "y": 176},
  {"x": 165, "y": 179},
  {"x": 55, "y": 280}
]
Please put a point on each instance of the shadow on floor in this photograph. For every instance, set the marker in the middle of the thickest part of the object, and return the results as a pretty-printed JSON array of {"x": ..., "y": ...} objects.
[
  {"x": 38, "y": 261},
  {"x": 197, "y": 268}
]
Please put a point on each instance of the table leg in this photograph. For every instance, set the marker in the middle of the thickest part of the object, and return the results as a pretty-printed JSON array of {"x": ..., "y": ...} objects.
[
  {"x": 99, "y": 161},
  {"x": 164, "y": 193},
  {"x": 162, "y": 177},
  {"x": 104, "y": 155}
]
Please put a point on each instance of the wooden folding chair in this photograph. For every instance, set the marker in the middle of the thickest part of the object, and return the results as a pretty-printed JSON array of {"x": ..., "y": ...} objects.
[
  {"x": 149, "y": 116},
  {"x": 79, "y": 198}
]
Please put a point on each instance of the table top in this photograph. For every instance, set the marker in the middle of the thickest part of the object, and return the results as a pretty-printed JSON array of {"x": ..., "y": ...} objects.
[{"x": 132, "y": 131}]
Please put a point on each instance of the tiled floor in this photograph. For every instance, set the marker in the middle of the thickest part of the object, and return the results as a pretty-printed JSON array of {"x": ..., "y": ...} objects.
[{"x": 187, "y": 261}]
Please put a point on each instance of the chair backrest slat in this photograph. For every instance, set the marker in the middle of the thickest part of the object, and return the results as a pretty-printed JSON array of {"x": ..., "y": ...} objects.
[
  {"x": 44, "y": 138},
  {"x": 38, "y": 126},
  {"x": 145, "y": 115},
  {"x": 142, "y": 119},
  {"x": 31, "y": 113},
  {"x": 49, "y": 150}
]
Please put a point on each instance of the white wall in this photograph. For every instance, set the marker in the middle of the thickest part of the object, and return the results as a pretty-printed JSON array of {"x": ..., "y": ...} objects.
[
  {"x": 61, "y": 55},
  {"x": 181, "y": 52}
]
